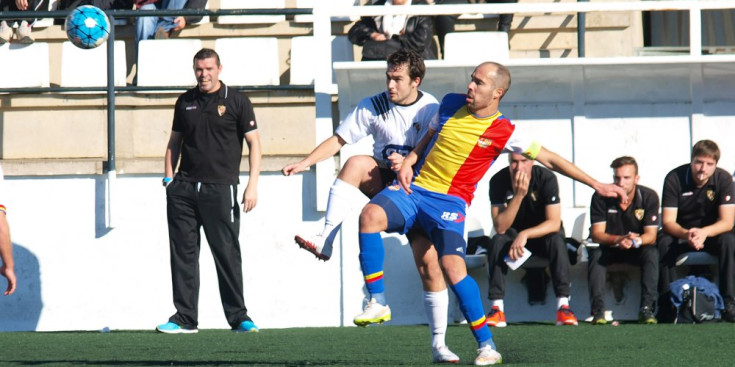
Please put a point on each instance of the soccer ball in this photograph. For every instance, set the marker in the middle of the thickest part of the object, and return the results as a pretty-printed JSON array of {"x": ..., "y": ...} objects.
[{"x": 87, "y": 26}]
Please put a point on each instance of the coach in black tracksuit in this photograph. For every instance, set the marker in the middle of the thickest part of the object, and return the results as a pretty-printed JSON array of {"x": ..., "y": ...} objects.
[
  {"x": 698, "y": 210},
  {"x": 210, "y": 123},
  {"x": 626, "y": 234}
]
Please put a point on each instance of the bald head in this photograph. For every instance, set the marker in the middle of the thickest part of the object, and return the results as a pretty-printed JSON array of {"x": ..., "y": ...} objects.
[{"x": 498, "y": 73}]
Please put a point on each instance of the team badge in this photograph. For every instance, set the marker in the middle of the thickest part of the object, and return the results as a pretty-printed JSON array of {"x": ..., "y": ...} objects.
[
  {"x": 639, "y": 214},
  {"x": 394, "y": 187},
  {"x": 533, "y": 195},
  {"x": 221, "y": 109},
  {"x": 711, "y": 195},
  {"x": 416, "y": 126},
  {"x": 484, "y": 142}
]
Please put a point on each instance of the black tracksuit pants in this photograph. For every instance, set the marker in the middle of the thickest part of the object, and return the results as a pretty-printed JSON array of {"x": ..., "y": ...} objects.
[
  {"x": 646, "y": 257},
  {"x": 190, "y": 206},
  {"x": 551, "y": 246}
]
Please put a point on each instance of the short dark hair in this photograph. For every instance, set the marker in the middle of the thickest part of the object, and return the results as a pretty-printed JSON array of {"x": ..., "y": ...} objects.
[
  {"x": 624, "y": 161},
  {"x": 416, "y": 67},
  {"x": 706, "y": 148},
  {"x": 206, "y": 53},
  {"x": 503, "y": 75}
]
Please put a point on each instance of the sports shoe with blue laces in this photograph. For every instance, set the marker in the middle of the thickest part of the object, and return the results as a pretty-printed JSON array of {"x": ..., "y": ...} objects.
[
  {"x": 172, "y": 328},
  {"x": 246, "y": 327}
]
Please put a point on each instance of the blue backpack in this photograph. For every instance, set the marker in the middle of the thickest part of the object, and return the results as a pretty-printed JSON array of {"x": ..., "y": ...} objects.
[{"x": 696, "y": 300}]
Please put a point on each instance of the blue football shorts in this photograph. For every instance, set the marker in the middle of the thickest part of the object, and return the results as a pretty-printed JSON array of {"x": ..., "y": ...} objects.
[{"x": 441, "y": 216}]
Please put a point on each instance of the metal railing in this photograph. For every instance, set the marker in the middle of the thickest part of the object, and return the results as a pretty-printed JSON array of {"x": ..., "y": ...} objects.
[{"x": 111, "y": 88}]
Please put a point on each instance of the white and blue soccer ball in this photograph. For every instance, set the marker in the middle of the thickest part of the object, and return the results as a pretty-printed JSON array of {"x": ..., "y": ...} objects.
[{"x": 87, "y": 26}]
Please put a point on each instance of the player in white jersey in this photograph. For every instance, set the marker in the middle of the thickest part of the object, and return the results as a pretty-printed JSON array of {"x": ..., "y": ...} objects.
[
  {"x": 397, "y": 119},
  {"x": 7, "y": 269}
]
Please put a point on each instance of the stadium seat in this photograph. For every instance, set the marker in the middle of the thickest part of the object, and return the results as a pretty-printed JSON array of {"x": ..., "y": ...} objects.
[
  {"x": 167, "y": 62},
  {"x": 307, "y": 18},
  {"x": 302, "y": 60},
  {"x": 494, "y": 47},
  {"x": 24, "y": 66},
  {"x": 251, "y": 4},
  {"x": 88, "y": 68},
  {"x": 240, "y": 67}
]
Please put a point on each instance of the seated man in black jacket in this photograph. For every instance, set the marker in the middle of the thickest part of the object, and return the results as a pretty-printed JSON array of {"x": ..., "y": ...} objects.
[{"x": 383, "y": 35}]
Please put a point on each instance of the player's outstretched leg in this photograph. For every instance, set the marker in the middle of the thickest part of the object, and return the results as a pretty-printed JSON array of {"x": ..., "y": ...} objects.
[
  {"x": 470, "y": 303},
  {"x": 343, "y": 198},
  {"x": 315, "y": 245},
  {"x": 371, "y": 260}
]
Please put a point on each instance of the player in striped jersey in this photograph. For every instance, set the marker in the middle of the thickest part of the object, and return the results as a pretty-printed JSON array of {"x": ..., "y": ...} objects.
[
  {"x": 462, "y": 143},
  {"x": 396, "y": 119}
]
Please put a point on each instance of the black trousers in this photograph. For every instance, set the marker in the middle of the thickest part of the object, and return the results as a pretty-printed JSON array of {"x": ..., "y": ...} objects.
[
  {"x": 551, "y": 246},
  {"x": 646, "y": 257},
  {"x": 722, "y": 246},
  {"x": 191, "y": 206}
]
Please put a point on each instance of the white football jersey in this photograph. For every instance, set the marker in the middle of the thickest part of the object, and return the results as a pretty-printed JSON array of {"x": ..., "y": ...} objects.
[{"x": 394, "y": 128}]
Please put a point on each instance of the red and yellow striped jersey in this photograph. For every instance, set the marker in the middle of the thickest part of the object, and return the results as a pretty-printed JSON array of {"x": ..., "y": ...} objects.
[{"x": 464, "y": 147}]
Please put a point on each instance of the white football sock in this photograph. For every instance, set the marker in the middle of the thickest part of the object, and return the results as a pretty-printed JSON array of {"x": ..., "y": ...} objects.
[
  {"x": 562, "y": 301},
  {"x": 343, "y": 198},
  {"x": 499, "y": 304},
  {"x": 437, "y": 308}
]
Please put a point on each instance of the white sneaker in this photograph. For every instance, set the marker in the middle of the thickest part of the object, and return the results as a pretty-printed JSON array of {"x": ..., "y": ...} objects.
[
  {"x": 374, "y": 313},
  {"x": 315, "y": 245},
  {"x": 6, "y": 32},
  {"x": 23, "y": 33},
  {"x": 444, "y": 355},
  {"x": 487, "y": 356}
]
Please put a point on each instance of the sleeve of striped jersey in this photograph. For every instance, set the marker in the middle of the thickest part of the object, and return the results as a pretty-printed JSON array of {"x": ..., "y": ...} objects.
[
  {"x": 522, "y": 144},
  {"x": 357, "y": 124},
  {"x": 429, "y": 117},
  {"x": 448, "y": 107}
]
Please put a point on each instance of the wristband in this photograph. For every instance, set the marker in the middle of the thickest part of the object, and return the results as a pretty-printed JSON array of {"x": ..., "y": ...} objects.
[
  {"x": 637, "y": 242},
  {"x": 166, "y": 181}
]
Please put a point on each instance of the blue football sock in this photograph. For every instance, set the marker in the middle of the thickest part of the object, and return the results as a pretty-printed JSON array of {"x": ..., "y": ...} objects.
[
  {"x": 371, "y": 261},
  {"x": 468, "y": 296}
]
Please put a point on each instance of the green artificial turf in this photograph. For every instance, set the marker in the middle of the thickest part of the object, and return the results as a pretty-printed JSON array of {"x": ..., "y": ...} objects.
[{"x": 520, "y": 345}]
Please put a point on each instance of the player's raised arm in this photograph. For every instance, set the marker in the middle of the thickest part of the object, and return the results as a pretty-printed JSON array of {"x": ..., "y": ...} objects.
[
  {"x": 326, "y": 149},
  {"x": 557, "y": 163}
]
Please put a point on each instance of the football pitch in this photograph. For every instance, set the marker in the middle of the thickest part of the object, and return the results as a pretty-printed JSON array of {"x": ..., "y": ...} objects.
[{"x": 520, "y": 345}]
